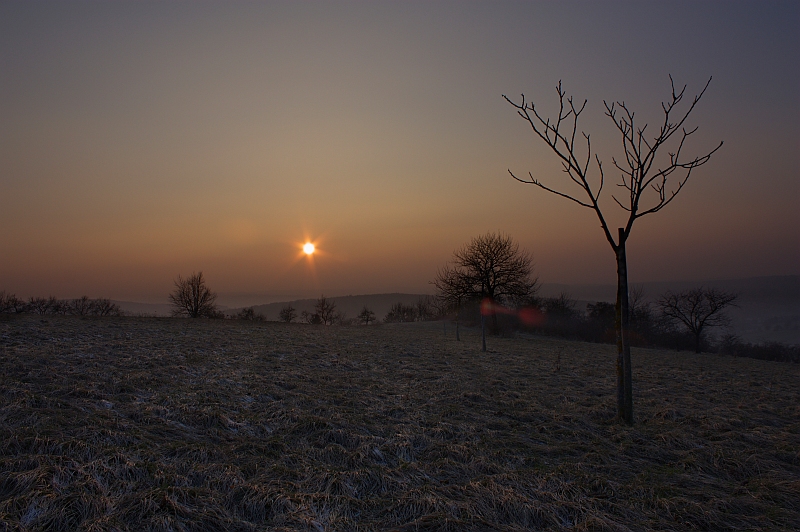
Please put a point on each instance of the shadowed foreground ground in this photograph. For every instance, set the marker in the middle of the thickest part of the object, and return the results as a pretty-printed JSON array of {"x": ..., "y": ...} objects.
[{"x": 162, "y": 424}]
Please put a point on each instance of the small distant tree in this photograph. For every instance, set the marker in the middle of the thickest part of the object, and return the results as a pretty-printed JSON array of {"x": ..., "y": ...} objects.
[
  {"x": 340, "y": 318},
  {"x": 10, "y": 303},
  {"x": 561, "y": 307},
  {"x": 438, "y": 305},
  {"x": 81, "y": 306},
  {"x": 310, "y": 318},
  {"x": 697, "y": 310},
  {"x": 249, "y": 314},
  {"x": 104, "y": 307},
  {"x": 400, "y": 313},
  {"x": 42, "y": 305},
  {"x": 426, "y": 308},
  {"x": 560, "y": 313},
  {"x": 192, "y": 298},
  {"x": 366, "y": 316},
  {"x": 61, "y": 306},
  {"x": 326, "y": 310},
  {"x": 287, "y": 314}
]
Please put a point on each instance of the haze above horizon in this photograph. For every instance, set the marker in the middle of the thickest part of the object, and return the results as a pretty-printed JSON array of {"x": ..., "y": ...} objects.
[{"x": 140, "y": 140}]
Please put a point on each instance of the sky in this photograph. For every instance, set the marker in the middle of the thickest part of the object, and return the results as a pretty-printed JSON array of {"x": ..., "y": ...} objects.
[{"x": 142, "y": 140}]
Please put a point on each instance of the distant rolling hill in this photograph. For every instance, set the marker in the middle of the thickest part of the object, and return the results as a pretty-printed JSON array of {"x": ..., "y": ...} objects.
[{"x": 769, "y": 307}]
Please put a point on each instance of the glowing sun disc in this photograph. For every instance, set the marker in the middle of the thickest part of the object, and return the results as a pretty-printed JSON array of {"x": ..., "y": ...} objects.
[{"x": 308, "y": 249}]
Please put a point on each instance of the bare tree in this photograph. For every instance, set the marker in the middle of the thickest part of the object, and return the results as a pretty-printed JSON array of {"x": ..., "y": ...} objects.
[
  {"x": 401, "y": 313},
  {"x": 640, "y": 172},
  {"x": 438, "y": 306},
  {"x": 249, "y": 314},
  {"x": 426, "y": 308},
  {"x": 491, "y": 266},
  {"x": 561, "y": 307},
  {"x": 288, "y": 314},
  {"x": 697, "y": 309},
  {"x": 42, "y": 305},
  {"x": 326, "y": 310},
  {"x": 104, "y": 307},
  {"x": 81, "y": 306},
  {"x": 340, "y": 318},
  {"x": 10, "y": 303},
  {"x": 191, "y": 297},
  {"x": 61, "y": 306},
  {"x": 311, "y": 319},
  {"x": 366, "y": 316}
]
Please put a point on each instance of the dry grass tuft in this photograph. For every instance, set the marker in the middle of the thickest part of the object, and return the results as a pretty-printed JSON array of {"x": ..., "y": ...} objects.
[{"x": 162, "y": 424}]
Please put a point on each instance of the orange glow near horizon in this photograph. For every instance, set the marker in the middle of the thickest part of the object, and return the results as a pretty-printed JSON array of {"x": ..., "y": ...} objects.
[{"x": 177, "y": 143}]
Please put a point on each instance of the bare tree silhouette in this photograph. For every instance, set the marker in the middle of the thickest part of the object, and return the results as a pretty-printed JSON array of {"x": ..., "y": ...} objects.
[
  {"x": 191, "y": 297},
  {"x": 10, "y": 303},
  {"x": 249, "y": 314},
  {"x": 400, "y": 313},
  {"x": 43, "y": 305},
  {"x": 639, "y": 172},
  {"x": 490, "y": 266},
  {"x": 697, "y": 309},
  {"x": 288, "y": 314},
  {"x": 81, "y": 306},
  {"x": 104, "y": 307},
  {"x": 366, "y": 316},
  {"x": 326, "y": 310}
]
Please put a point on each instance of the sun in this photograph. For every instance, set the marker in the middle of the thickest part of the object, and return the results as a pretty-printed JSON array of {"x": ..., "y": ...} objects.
[{"x": 308, "y": 248}]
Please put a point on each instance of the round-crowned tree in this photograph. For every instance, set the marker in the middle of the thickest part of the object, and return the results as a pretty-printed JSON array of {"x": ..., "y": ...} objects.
[
  {"x": 192, "y": 298},
  {"x": 490, "y": 266}
]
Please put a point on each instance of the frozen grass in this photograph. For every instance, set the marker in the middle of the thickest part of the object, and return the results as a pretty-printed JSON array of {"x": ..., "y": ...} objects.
[{"x": 166, "y": 424}]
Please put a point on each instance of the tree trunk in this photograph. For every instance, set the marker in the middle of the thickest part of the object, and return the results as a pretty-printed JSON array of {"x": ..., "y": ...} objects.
[
  {"x": 483, "y": 333},
  {"x": 458, "y": 314},
  {"x": 624, "y": 385},
  {"x": 697, "y": 342},
  {"x": 620, "y": 351}
]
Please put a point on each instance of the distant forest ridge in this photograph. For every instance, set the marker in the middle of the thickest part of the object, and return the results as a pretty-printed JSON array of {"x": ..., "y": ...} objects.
[{"x": 777, "y": 288}]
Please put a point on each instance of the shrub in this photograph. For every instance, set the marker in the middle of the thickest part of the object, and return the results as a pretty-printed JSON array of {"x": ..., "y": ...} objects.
[
  {"x": 288, "y": 314},
  {"x": 401, "y": 313},
  {"x": 249, "y": 314}
]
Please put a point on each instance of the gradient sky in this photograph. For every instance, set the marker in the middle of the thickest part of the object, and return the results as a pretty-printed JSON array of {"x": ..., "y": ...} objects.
[{"x": 142, "y": 140}]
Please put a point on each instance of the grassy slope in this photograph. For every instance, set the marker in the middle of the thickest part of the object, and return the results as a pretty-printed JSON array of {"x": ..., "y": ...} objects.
[{"x": 137, "y": 423}]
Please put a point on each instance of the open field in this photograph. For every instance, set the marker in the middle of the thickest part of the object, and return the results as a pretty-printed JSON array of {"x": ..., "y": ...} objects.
[{"x": 167, "y": 424}]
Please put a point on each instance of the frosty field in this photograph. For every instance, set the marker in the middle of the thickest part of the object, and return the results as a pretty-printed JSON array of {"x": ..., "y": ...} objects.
[{"x": 170, "y": 424}]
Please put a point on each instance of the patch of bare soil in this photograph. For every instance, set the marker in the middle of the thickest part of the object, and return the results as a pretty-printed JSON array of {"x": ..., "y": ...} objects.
[{"x": 168, "y": 424}]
